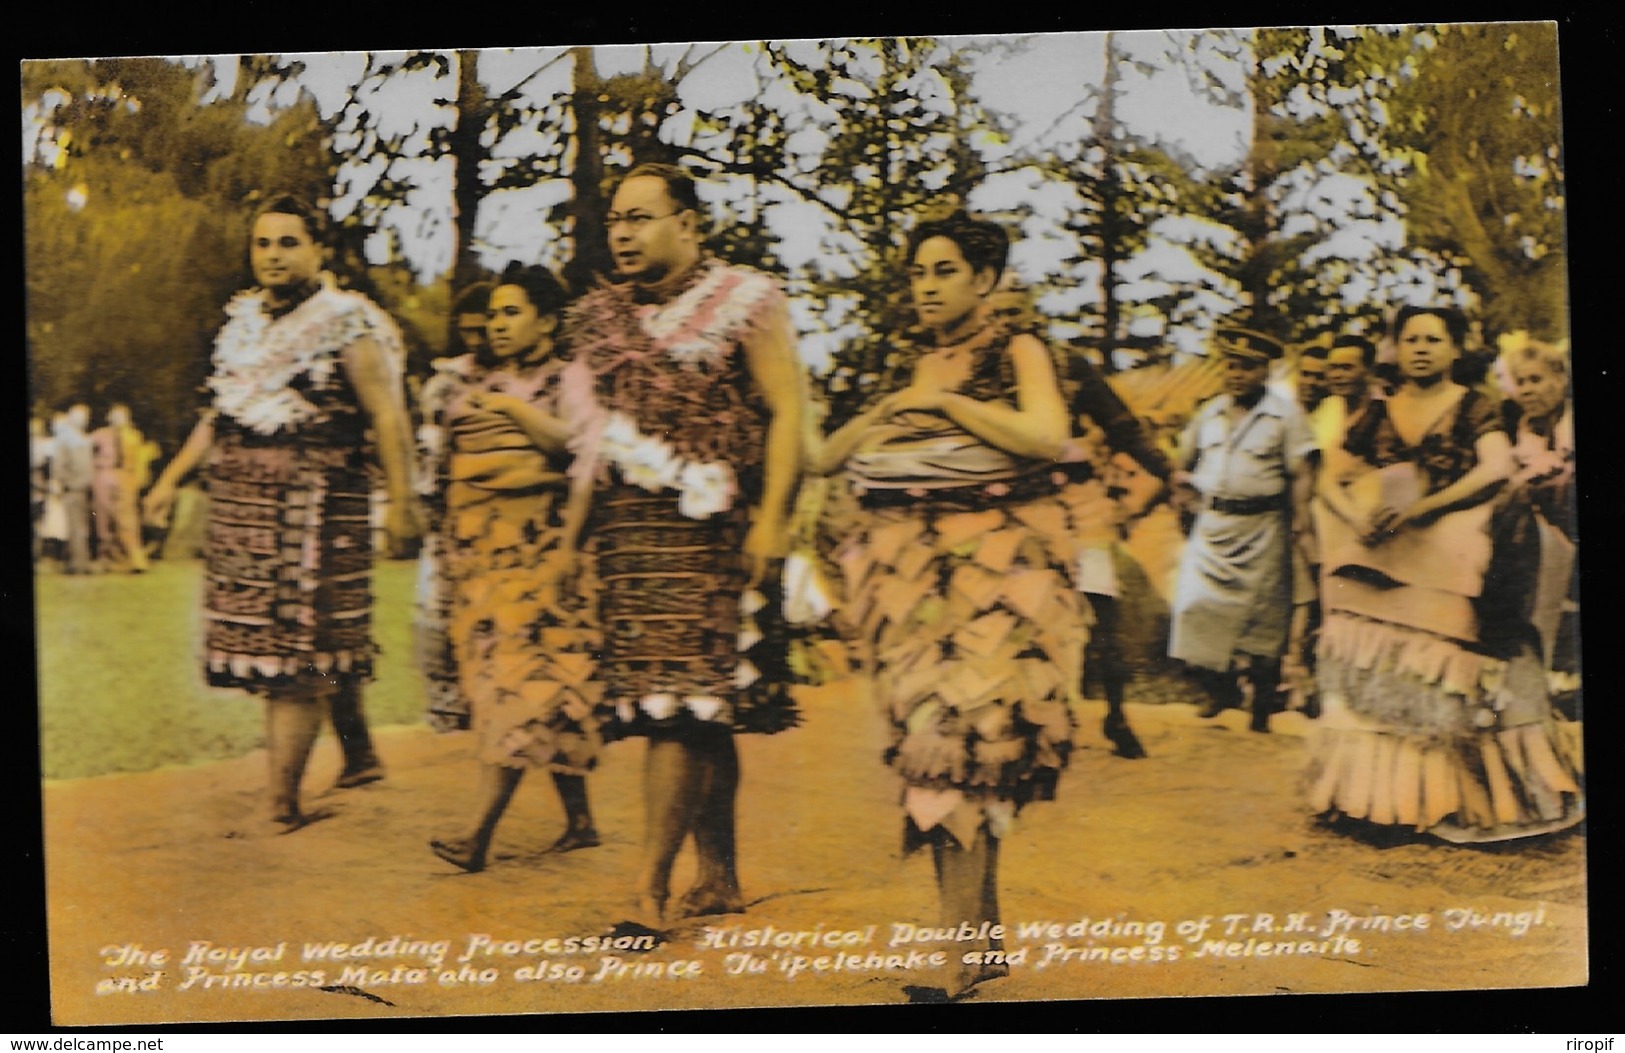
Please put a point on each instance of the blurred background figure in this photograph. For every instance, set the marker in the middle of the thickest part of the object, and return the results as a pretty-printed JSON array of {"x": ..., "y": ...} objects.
[
  {"x": 1103, "y": 429},
  {"x": 1540, "y": 420},
  {"x": 39, "y": 484},
  {"x": 447, "y": 709},
  {"x": 1311, "y": 383},
  {"x": 1249, "y": 458},
  {"x": 73, "y": 472},
  {"x": 472, "y": 309},
  {"x": 120, "y": 457}
]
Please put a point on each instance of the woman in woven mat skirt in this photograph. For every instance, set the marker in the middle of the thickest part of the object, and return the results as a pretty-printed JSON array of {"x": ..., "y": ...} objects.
[
  {"x": 521, "y": 625},
  {"x": 1436, "y": 715},
  {"x": 302, "y": 371},
  {"x": 957, "y": 575}
]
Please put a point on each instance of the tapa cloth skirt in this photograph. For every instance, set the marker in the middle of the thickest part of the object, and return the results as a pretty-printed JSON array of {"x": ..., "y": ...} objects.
[{"x": 976, "y": 633}]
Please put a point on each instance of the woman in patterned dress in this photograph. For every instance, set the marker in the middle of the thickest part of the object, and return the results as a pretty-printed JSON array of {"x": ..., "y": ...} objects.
[
  {"x": 956, "y": 575},
  {"x": 302, "y": 371},
  {"x": 521, "y": 623},
  {"x": 1436, "y": 715}
]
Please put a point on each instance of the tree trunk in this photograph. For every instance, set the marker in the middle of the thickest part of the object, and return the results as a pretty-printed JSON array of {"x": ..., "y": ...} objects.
[
  {"x": 1256, "y": 221},
  {"x": 591, "y": 256},
  {"x": 1111, "y": 227},
  {"x": 473, "y": 110}
]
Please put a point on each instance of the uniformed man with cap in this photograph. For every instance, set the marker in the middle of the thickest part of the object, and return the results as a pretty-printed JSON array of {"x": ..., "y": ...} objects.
[{"x": 1248, "y": 455}]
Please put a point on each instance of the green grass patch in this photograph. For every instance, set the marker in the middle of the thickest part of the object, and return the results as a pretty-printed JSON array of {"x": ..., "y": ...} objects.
[{"x": 120, "y": 678}]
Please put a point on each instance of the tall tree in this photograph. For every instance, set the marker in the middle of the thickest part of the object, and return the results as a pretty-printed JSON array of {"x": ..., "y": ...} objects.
[
  {"x": 1483, "y": 134},
  {"x": 136, "y": 204}
]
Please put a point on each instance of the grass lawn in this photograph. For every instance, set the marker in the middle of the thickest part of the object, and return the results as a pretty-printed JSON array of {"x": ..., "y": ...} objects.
[{"x": 121, "y": 688}]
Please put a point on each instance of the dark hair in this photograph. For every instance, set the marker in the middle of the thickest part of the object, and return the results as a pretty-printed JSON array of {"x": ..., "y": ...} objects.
[
  {"x": 1455, "y": 323},
  {"x": 984, "y": 243},
  {"x": 473, "y": 299},
  {"x": 679, "y": 184},
  {"x": 1368, "y": 350},
  {"x": 542, "y": 287},
  {"x": 315, "y": 219},
  {"x": 1314, "y": 351}
]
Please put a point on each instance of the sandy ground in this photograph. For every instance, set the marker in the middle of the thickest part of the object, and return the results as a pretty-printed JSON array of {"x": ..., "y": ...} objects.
[{"x": 1209, "y": 832}]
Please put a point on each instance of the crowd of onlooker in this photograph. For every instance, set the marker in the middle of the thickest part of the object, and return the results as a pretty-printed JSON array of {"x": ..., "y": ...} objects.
[{"x": 85, "y": 489}]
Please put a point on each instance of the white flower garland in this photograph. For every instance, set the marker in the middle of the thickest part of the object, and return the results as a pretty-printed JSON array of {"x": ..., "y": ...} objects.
[
  {"x": 704, "y": 487},
  {"x": 257, "y": 358},
  {"x": 702, "y": 322}
]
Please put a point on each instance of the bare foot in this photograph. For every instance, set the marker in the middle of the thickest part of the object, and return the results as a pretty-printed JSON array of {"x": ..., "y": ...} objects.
[
  {"x": 964, "y": 990},
  {"x": 706, "y": 899},
  {"x": 465, "y": 853},
  {"x": 574, "y": 839},
  {"x": 649, "y": 912},
  {"x": 278, "y": 825},
  {"x": 349, "y": 780},
  {"x": 980, "y": 974}
]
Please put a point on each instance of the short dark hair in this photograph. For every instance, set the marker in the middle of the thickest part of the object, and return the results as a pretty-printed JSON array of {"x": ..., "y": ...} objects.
[
  {"x": 285, "y": 204},
  {"x": 984, "y": 243},
  {"x": 473, "y": 299},
  {"x": 679, "y": 184},
  {"x": 542, "y": 287},
  {"x": 1315, "y": 351},
  {"x": 1368, "y": 350},
  {"x": 1455, "y": 323}
]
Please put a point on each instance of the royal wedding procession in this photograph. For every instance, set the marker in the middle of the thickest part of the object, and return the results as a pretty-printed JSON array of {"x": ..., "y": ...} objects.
[{"x": 972, "y": 519}]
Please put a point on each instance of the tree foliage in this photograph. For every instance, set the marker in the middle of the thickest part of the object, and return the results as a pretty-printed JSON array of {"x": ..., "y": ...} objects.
[
  {"x": 1382, "y": 165},
  {"x": 136, "y": 203},
  {"x": 1481, "y": 125}
]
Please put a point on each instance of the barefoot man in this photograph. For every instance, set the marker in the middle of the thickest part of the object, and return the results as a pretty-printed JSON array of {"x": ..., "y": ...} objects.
[
  {"x": 695, "y": 401},
  {"x": 302, "y": 371}
]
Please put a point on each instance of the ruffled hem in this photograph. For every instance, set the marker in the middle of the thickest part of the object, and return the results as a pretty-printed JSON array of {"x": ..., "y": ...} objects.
[
  {"x": 1407, "y": 678},
  {"x": 1482, "y": 785},
  {"x": 533, "y": 693},
  {"x": 686, "y": 644}
]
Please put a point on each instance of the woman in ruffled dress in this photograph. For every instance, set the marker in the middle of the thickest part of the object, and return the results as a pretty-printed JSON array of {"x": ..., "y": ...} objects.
[
  {"x": 521, "y": 623},
  {"x": 957, "y": 577},
  {"x": 1436, "y": 713},
  {"x": 302, "y": 371}
]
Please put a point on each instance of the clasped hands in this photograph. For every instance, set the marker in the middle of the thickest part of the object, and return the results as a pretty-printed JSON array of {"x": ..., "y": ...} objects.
[{"x": 1385, "y": 521}]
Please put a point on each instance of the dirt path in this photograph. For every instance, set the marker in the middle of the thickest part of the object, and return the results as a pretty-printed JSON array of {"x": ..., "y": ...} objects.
[{"x": 1135, "y": 856}]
